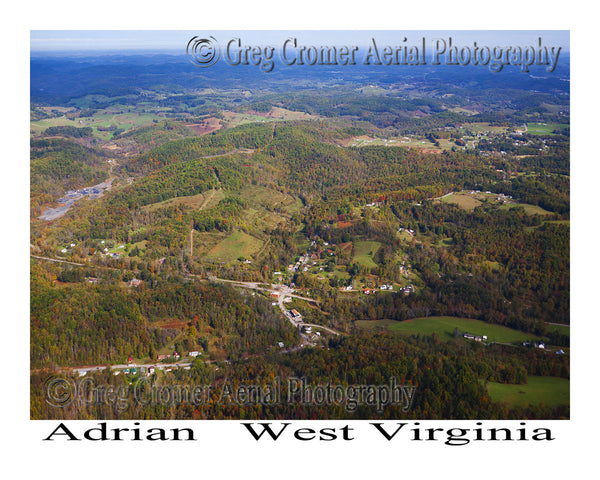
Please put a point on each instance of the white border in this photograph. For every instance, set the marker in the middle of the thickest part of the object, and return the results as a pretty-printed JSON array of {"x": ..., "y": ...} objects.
[{"x": 224, "y": 450}]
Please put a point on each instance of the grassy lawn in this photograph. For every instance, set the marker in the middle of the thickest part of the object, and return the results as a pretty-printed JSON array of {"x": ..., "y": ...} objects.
[
  {"x": 364, "y": 251},
  {"x": 445, "y": 327},
  {"x": 551, "y": 391}
]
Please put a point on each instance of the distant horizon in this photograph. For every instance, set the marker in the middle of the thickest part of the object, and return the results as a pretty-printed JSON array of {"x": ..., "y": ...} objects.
[{"x": 60, "y": 42}]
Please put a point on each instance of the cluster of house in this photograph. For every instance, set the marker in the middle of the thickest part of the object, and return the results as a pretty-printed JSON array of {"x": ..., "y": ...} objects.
[
  {"x": 64, "y": 250},
  {"x": 369, "y": 291},
  {"x": 409, "y": 289},
  {"x": 409, "y": 230},
  {"x": 301, "y": 263},
  {"x": 166, "y": 356},
  {"x": 477, "y": 338},
  {"x": 150, "y": 370},
  {"x": 143, "y": 371}
]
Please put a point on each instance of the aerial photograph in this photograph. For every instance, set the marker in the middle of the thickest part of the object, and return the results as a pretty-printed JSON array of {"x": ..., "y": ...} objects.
[{"x": 302, "y": 225}]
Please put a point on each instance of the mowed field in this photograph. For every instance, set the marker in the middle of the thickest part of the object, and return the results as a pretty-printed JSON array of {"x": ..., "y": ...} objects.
[
  {"x": 551, "y": 391},
  {"x": 545, "y": 129},
  {"x": 445, "y": 327}
]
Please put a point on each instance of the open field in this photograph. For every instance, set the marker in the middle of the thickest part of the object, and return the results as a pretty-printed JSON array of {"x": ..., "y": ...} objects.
[
  {"x": 562, "y": 329},
  {"x": 481, "y": 127},
  {"x": 285, "y": 114},
  {"x": 268, "y": 197},
  {"x": 204, "y": 242},
  {"x": 364, "y": 251},
  {"x": 124, "y": 120},
  {"x": 237, "y": 244},
  {"x": 545, "y": 129},
  {"x": 470, "y": 200},
  {"x": 551, "y": 391},
  {"x": 233, "y": 119},
  {"x": 207, "y": 125},
  {"x": 463, "y": 200},
  {"x": 196, "y": 202},
  {"x": 529, "y": 209},
  {"x": 445, "y": 327},
  {"x": 463, "y": 111}
]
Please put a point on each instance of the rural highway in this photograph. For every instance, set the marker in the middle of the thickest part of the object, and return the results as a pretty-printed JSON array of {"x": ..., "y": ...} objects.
[
  {"x": 57, "y": 260},
  {"x": 94, "y": 368}
]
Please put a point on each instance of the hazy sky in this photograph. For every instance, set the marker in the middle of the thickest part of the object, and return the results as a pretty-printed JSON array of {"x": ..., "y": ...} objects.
[{"x": 77, "y": 40}]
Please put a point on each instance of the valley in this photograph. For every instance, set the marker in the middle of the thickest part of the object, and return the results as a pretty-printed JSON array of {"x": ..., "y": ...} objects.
[{"x": 342, "y": 232}]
